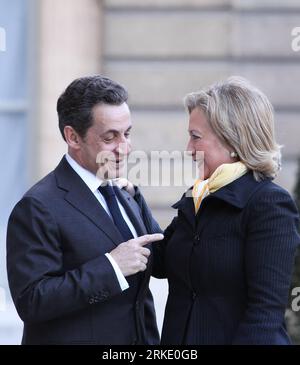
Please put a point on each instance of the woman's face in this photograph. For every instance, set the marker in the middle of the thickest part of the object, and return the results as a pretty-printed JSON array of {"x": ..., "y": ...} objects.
[{"x": 211, "y": 151}]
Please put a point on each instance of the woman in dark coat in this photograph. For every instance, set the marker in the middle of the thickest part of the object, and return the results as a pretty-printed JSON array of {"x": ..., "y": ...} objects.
[{"x": 229, "y": 253}]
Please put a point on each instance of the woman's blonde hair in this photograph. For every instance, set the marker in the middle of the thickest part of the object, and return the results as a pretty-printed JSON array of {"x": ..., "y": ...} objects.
[{"x": 242, "y": 116}]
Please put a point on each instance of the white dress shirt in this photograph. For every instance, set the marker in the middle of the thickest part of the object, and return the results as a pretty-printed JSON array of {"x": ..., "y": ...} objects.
[{"x": 93, "y": 183}]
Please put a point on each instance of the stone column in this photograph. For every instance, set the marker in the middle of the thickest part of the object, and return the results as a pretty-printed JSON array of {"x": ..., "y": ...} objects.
[{"x": 69, "y": 46}]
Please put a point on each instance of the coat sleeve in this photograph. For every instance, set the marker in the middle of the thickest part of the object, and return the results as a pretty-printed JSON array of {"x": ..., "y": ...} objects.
[
  {"x": 159, "y": 252},
  {"x": 40, "y": 287},
  {"x": 151, "y": 225},
  {"x": 270, "y": 246},
  {"x": 158, "y": 269}
]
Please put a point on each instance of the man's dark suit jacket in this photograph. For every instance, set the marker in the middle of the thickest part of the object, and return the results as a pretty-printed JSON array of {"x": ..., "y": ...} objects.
[{"x": 63, "y": 286}]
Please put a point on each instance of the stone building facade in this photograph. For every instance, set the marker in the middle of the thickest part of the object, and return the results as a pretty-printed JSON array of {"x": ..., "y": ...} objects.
[{"x": 160, "y": 50}]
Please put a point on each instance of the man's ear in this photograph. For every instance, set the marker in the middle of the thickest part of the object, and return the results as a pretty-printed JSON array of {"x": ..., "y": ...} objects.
[{"x": 72, "y": 137}]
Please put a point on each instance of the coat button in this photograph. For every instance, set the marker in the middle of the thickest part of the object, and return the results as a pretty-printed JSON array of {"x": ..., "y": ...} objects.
[
  {"x": 91, "y": 301},
  {"x": 103, "y": 296},
  {"x": 194, "y": 295},
  {"x": 196, "y": 240}
]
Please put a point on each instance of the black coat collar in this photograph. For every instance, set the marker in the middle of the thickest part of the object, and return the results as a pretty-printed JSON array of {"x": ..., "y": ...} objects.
[
  {"x": 239, "y": 192},
  {"x": 236, "y": 193}
]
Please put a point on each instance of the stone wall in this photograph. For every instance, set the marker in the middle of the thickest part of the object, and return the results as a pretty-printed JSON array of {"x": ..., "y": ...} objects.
[
  {"x": 69, "y": 38},
  {"x": 163, "y": 49}
]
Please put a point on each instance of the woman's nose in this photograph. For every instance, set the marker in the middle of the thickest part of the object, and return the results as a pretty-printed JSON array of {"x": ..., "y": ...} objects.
[{"x": 189, "y": 147}]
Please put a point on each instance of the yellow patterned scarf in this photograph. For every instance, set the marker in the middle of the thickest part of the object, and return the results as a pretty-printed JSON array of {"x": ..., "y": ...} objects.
[{"x": 223, "y": 175}]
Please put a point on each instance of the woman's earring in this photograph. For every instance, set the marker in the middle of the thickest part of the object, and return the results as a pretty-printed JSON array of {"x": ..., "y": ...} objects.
[{"x": 233, "y": 154}]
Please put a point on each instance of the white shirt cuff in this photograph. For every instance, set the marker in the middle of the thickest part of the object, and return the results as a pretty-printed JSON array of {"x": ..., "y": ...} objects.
[{"x": 121, "y": 278}]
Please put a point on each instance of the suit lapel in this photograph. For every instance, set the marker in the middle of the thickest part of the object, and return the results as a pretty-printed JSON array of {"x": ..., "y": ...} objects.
[
  {"x": 186, "y": 206},
  {"x": 82, "y": 199},
  {"x": 132, "y": 210},
  {"x": 88, "y": 205}
]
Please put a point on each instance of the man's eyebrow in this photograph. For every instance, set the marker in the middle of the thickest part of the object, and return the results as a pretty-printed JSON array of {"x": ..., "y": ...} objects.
[
  {"x": 115, "y": 130},
  {"x": 110, "y": 131}
]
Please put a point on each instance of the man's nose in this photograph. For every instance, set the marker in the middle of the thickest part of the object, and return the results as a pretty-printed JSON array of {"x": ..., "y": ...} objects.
[{"x": 124, "y": 147}]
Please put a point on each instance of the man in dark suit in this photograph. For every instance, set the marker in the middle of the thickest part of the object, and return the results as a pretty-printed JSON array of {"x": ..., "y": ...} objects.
[{"x": 78, "y": 267}]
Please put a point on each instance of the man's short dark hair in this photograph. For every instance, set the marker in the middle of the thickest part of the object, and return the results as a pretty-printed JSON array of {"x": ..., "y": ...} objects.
[{"x": 74, "y": 106}]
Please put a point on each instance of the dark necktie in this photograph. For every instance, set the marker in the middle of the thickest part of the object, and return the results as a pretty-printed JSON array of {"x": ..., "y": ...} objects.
[{"x": 110, "y": 197}]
